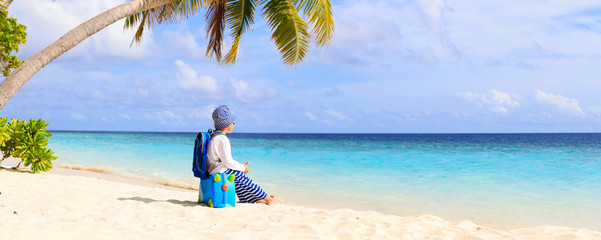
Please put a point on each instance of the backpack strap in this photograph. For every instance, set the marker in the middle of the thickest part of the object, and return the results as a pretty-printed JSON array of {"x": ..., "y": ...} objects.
[{"x": 213, "y": 133}]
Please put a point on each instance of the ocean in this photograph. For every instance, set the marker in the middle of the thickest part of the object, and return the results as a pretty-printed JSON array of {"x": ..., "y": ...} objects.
[{"x": 504, "y": 180}]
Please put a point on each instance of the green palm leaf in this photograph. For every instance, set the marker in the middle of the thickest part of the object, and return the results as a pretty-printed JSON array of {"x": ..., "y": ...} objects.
[
  {"x": 170, "y": 13},
  {"x": 187, "y": 8},
  {"x": 134, "y": 19},
  {"x": 289, "y": 30},
  {"x": 320, "y": 17},
  {"x": 147, "y": 19},
  {"x": 215, "y": 26},
  {"x": 239, "y": 16}
]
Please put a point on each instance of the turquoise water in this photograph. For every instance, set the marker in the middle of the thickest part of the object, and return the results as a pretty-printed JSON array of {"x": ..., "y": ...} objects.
[{"x": 492, "y": 179}]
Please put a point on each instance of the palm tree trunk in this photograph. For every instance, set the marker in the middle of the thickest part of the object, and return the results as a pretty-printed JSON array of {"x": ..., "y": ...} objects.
[{"x": 20, "y": 76}]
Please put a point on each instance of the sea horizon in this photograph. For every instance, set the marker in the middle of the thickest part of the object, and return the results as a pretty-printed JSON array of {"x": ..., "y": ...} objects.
[{"x": 325, "y": 133}]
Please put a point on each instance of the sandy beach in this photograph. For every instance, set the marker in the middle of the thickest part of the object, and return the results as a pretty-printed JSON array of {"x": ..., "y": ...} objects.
[
  {"x": 387, "y": 119},
  {"x": 70, "y": 204}
]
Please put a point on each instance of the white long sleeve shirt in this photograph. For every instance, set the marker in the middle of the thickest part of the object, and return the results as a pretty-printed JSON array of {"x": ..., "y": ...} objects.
[{"x": 219, "y": 156}]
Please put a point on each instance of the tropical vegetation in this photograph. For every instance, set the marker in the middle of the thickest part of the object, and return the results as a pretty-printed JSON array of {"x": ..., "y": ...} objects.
[
  {"x": 12, "y": 34},
  {"x": 290, "y": 31},
  {"x": 27, "y": 141}
]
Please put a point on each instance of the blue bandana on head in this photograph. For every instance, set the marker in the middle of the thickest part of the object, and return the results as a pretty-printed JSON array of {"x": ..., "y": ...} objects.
[{"x": 223, "y": 117}]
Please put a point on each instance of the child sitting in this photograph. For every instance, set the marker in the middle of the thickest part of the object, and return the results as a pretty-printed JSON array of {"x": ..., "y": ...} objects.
[{"x": 219, "y": 159}]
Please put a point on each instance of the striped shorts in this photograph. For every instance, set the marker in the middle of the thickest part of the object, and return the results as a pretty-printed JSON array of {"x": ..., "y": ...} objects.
[{"x": 246, "y": 190}]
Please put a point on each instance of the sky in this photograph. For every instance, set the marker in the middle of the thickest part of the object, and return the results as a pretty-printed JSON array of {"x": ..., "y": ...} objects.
[{"x": 392, "y": 66}]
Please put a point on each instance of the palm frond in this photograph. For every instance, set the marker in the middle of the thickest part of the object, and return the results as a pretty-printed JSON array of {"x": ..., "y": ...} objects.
[
  {"x": 170, "y": 13},
  {"x": 289, "y": 30},
  {"x": 132, "y": 20},
  {"x": 138, "y": 35},
  {"x": 215, "y": 26},
  {"x": 239, "y": 16},
  {"x": 320, "y": 17},
  {"x": 187, "y": 8}
]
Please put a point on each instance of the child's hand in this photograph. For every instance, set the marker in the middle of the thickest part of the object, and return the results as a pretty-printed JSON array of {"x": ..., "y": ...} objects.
[{"x": 246, "y": 169}]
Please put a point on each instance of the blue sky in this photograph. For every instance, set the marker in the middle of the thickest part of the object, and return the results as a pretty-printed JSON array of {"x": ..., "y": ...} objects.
[{"x": 394, "y": 66}]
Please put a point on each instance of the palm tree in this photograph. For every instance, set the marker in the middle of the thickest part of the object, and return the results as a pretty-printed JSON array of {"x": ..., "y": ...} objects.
[{"x": 290, "y": 31}]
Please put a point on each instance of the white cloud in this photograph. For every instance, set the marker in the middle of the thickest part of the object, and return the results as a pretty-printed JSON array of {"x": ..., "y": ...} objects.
[
  {"x": 310, "y": 116},
  {"x": 502, "y": 98},
  {"x": 204, "y": 113},
  {"x": 248, "y": 94},
  {"x": 559, "y": 101},
  {"x": 99, "y": 95},
  {"x": 188, "y": 80},
  {"x": 507, "y": 32},
  {"x": 44, "y": 27},
  {"x": 497, "y": 101},
  {"x": 376, "y": 31},
  {"x": 433, "y": 10},
  {"x": 183, "y": 44},
  {"x": 125, "y": 116},
  {"x": 165, "y": 117},
  {"x": 337, "y": 115},
  {"x": 78, "y": 116},
  {"x": 114, "y": 41},
  {"x": 440, "y": 31}
]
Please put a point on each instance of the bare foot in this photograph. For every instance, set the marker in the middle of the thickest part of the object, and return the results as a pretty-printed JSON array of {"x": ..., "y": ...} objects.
[
  {"x": 275, "y": 201},
  {"x": 270, "y": 200}
]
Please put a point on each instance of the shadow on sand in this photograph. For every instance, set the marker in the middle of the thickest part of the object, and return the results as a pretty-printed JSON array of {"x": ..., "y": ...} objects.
[
  {"x": 173, "y": 201},
  {"x": 13, "y": 169}
]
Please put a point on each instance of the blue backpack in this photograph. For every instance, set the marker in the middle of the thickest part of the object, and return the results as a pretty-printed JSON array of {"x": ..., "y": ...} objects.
[{"x": 201, "y": 146}]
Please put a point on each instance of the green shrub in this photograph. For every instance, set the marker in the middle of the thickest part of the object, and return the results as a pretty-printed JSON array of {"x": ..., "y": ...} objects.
[
  {"x": 12, "y": 34},
  {"x": 40, "y": 159},
  {"x": 14, "y": 134},
  {"x": 3, "y": 130},
  {"x": 27, "y": 141}
]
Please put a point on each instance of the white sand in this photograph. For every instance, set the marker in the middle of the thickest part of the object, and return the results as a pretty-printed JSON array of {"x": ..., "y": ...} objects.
[{"x": 56, "y": 206}]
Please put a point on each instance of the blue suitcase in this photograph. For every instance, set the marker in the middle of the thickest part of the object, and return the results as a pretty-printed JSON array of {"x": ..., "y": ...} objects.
[{"x": 218, "y": 191}]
